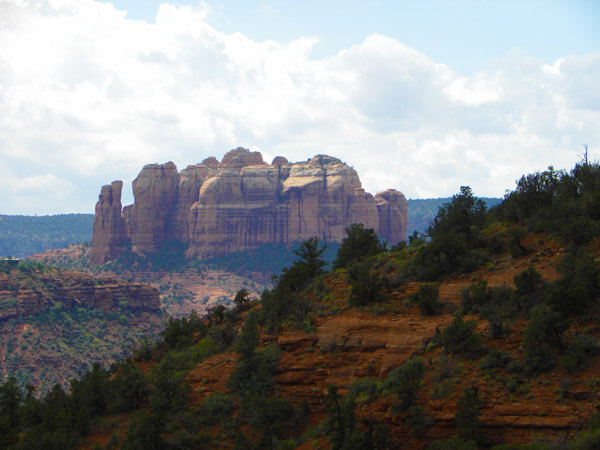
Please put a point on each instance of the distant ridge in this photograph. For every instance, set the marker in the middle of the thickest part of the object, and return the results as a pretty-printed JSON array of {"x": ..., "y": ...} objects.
[{"x": 25, "y": 235}]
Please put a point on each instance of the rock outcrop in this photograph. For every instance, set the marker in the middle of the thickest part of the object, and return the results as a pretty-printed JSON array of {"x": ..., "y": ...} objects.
[
  {"x": 391, "y": 209},
  {"x": 24, "y": 296},
  {"x": 241, "y": 203},
  {"x": 110, "y": 230}
]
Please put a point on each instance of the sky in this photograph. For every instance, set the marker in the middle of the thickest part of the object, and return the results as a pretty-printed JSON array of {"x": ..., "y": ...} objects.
[{"x": 421, "y": 96}]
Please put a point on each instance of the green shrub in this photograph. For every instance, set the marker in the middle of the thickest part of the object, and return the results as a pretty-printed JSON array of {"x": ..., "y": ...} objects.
[
  {"x": 405, "y": 381},
  {"x": 467, "y": 416},
  {"x": 453, "y": 443},
  {"x": 427, "y": 297},
  {"x": 496, "y": 359},
  {"x": 366, "y": 286},
  {"x": 359, "y": 244},
  {"x": 443, "y": 388},
  {"x": 216, "y": 407},
  {"x": 541, "y": 339},
  {"x": 579, "y": 351},
  {"x": 364, "y": 390},
  {"x": 459, "y": 337},
  {"x": 417, "y": 421}
]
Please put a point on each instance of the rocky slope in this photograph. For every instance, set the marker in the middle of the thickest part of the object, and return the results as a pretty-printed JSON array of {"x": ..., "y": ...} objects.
[
  {"x": 24, "y": 294},
  {"x": 347, "y": 344},
  {"x": 55, "y": 323},
  {"x": 241, "y": 203}
]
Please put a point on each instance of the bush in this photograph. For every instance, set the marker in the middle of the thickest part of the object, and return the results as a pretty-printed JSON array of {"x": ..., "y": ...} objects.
[
  {"x": 467, "y": 416},
  {"x": 359, "y": 244},
  {"x": 579, "y": 351},
  {"x": 454, "y": 443},
  {"x": 216, "y": 407},
  {"x": 364, "y": 390},
  {"x": 459, "y": 337},
  {"x": 129, "y": 387},
  {"x": 427, "y": 297},
  {"x": 496, "y": 359},
  {"x": 366, "y": 287},
  {"x": 542, "y": 339},
  {"x": 405, "y": 381}
]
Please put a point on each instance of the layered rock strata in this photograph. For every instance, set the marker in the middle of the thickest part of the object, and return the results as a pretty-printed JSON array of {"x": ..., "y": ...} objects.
[
  {"x": 21, "y": 298},
  {"x": 241, "y": 203}
]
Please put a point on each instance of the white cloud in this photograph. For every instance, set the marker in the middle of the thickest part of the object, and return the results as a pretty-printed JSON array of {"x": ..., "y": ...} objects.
[{"x": 89, "y": 95}]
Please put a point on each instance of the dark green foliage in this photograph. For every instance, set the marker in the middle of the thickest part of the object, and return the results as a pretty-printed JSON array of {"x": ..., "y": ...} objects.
[
  {"x": 542, "y": 339},
  {"x": 366, "y": 286},
  {"x": 253, "y": 374},
  {"x": 359, "y": 244},
  {"x": 516, "y": 246},
  {"x": 405, "y": 381},
  {"x": 216, "y": 407},
  {"x": 129, "y": 387},
  {"x": 10, "y": 403},
  {"x": 459, "y": 337},
  {"x": 168, "y": 393},
  {"x": 340, "y": 425},
  {"x": 427, "y": 297},
  {"x": 273, "y": 418},
  {"x": 495, "y": 359},
  {"x": 533, "y": 192},
  {"x": 144, "y": 431},
  {"x": 364, "y": 390},
  {"x": 454, "y": 443},
  {"x": 467, "y": 416},
  {"x": 557, "y": 202},
  {"x": 417, "y": 421},
  {"x": 498, "y": 310},
  {"x": 464, "y": 215},
  {"x": 90, "y": 396},
  {"x": 530, "y": 288},
  {"x": 285, "y": 301},
  {"x": 579, "y": 351},
  {"x": 248, "y": 339},
  {"x": 579, "y": 285},
  {"x": 222, "y": 335},
  {"x": 179, "y": 333}
]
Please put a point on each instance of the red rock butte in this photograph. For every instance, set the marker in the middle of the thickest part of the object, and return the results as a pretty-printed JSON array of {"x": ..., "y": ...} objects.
[{"x": 241, "y": 203}]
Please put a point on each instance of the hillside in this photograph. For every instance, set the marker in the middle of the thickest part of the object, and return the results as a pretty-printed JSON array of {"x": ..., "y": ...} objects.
[
  {"x": 54, "y": 324},
  {"x": 24, "y": 235},
  {"x": 485, "y": 336}
]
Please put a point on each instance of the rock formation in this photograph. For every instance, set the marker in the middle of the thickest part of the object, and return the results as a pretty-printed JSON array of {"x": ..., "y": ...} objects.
[
  {"x": 110, "y": 230},
  {"x": 21, "y": 298},
  {"x": 241, "y": 203}
]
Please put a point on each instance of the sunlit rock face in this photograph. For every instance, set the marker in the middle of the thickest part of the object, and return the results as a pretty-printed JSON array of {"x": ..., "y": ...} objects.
[
  {"x": 241, "y": 203},
  {"x": 110, "y": 230}
]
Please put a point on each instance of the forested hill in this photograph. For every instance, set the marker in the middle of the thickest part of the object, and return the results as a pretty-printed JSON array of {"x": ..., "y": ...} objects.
[{"x": 24, "y": 235}]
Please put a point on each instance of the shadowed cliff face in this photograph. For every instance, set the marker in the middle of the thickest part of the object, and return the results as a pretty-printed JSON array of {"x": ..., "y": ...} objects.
[{"x": 241, "y": 203}]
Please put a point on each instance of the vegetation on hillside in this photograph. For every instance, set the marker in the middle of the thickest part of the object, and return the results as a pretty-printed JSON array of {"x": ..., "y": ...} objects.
[{"x": 504, "y": 339}]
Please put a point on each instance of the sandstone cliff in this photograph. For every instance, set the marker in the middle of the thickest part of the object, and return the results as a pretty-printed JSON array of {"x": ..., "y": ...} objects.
[
  {"x": 23, "y": 294},
  {"x": 241, "y": 203}
]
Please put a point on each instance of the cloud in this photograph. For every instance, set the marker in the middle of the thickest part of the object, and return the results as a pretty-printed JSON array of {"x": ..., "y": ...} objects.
[{"x": 89, "y": 95}]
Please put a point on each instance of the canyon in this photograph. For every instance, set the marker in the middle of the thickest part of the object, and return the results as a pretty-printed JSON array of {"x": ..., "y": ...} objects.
[{"x": 240, "y": 203}]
